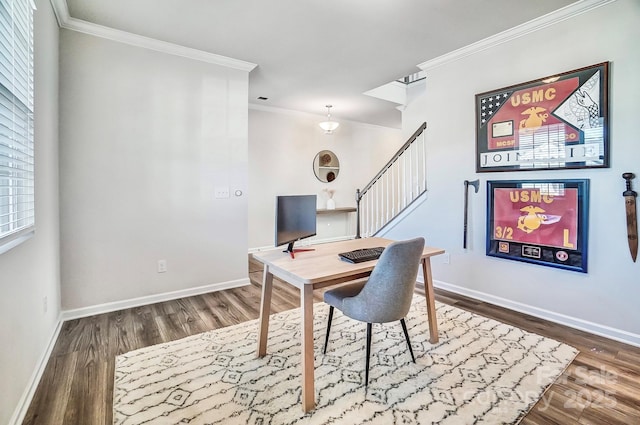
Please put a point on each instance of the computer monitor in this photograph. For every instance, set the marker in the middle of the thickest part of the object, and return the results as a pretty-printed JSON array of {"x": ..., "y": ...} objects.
[{"x": 295, "y": 219}]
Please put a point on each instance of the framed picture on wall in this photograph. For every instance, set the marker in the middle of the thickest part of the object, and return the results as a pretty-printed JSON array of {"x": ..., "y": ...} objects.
[
  {"x": 555, "y": 122},
  {"x": 543, "y": 222}
]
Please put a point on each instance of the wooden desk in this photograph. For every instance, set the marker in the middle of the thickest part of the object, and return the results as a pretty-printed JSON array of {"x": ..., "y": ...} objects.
[{"x": 318, "y": 269}]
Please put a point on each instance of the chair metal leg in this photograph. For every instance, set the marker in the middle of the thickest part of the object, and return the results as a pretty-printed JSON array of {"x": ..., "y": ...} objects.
[
  {"x": 326, "y": 339},
  {"x": 406, "y": 335},
  {"x": 366, "y": 376}
]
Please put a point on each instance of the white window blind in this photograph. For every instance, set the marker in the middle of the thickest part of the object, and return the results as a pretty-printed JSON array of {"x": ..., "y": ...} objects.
[{"x": 16, "y": 120}]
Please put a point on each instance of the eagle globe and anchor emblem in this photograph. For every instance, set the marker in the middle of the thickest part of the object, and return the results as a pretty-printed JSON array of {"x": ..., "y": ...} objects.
[
  {"x": 534, "y": 219},
  {"x": 537, "y": 116}
]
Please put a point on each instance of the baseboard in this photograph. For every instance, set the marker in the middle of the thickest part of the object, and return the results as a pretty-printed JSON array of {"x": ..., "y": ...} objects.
[
  {"x": 150, "y": 299},
  {"x": 25, "y": 401},
  {"x": 562, "y": 319},
  {"x": 30, "y": 390}
]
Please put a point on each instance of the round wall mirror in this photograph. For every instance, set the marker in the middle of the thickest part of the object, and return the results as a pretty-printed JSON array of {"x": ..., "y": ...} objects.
[{"x": 326, "y": 166}]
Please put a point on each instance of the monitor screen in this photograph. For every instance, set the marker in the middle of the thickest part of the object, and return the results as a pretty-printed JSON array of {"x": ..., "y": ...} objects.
[{"x": 295, "y": 218}]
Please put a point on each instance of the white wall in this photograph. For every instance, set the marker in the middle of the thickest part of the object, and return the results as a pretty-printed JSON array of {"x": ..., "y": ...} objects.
[
  {"x": 30, "y": 272},
  {"x": 606, "y": 299},
  {"x": 145, "y": 138},
  {"x": 282, "y": 147}
]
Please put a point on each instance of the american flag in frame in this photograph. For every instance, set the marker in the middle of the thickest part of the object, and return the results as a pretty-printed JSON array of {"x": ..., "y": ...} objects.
[{"x": 555, "y": 122}]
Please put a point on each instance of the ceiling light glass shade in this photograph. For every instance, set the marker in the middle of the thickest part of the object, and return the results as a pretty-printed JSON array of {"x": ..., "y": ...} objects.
[{"x": 328, "y": 126}]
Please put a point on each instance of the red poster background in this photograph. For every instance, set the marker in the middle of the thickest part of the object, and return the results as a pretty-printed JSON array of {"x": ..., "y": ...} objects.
[
  {"x": 521, "y": 108},
  {"x": 550, "y": 220}
]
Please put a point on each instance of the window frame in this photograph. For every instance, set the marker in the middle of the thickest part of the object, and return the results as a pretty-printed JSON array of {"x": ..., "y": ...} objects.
[{"x": 17, "y": 164}]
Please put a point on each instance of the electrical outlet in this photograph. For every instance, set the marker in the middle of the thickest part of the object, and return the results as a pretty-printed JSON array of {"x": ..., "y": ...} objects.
[
  {"x": 45, "y": 303},
  {"x": 162, "y": 266},
  {"x": 446, "y": 258}
]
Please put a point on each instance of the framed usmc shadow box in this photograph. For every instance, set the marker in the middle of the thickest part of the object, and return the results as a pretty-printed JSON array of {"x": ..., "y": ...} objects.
[
  {"x": 555, "y": 122},
  {"x": 542, "y": 222}
]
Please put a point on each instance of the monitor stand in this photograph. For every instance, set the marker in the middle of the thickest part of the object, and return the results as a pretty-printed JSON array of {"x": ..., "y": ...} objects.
[{"x": 292, "y": 251}]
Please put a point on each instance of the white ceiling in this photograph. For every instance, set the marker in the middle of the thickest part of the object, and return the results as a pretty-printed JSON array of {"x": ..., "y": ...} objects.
[{"x": 311, "y": 53}]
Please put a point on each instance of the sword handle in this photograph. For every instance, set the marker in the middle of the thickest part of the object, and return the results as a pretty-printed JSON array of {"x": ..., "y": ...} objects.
[{"x": 628, "y": 177}]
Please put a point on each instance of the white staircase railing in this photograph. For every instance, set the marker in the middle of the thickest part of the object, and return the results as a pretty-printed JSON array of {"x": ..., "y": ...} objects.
[{"x": 400, "y": 182}]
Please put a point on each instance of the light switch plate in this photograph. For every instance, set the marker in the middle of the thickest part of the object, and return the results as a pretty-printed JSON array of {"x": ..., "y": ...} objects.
[{"x": 221, "y": 192}]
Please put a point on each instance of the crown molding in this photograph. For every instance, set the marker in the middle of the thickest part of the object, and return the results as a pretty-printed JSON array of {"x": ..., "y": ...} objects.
[
  {"x": 66, "y": 21},
  {"x": 534, "y": 25}
]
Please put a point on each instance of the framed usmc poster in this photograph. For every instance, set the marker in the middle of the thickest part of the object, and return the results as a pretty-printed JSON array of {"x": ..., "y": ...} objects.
[
  {"x": 555, "y": 122},
  {"x": 539, "y": 221}
]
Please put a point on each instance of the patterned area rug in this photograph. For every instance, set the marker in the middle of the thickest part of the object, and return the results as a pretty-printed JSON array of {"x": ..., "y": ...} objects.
[{"x": 480, "y": 372}]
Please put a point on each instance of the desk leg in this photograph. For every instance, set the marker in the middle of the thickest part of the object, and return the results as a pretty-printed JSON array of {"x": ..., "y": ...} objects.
[
  {"x": 431, "y": 300},
  {"x": 265, "y": 310},
  {"x": 308, "y": 391}
]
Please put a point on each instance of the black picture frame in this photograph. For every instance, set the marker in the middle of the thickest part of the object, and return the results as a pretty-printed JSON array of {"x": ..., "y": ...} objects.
[
  {"x": 543, "y": 222},
  {"x": 555, "y": 122}
]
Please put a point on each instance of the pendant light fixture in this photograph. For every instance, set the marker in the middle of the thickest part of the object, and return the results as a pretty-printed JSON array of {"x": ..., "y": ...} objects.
[{"x": 328, "y": 126}]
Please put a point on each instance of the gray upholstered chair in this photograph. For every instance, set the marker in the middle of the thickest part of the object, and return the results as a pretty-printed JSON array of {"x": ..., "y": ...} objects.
[{"x": 385, "y": 297}]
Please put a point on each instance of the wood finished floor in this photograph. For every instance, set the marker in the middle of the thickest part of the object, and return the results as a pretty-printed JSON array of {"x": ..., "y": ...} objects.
[{"x": 601, "y": 386}]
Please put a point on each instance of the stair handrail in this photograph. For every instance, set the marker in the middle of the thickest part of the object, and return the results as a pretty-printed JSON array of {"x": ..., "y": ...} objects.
[{"x": 361, "y": 193}]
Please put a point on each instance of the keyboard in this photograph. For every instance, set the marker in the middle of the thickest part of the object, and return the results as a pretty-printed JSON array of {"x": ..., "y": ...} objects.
[{"x": 361, "y": 255}]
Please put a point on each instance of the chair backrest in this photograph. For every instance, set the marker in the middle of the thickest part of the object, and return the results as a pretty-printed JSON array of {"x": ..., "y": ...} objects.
[{"x": 387, "y": 295}]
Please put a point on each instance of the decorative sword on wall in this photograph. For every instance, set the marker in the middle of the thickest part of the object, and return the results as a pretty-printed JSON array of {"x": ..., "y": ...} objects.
[
  {"x": 632, "y": 218},
  {"x": 476, "y": 186}
]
